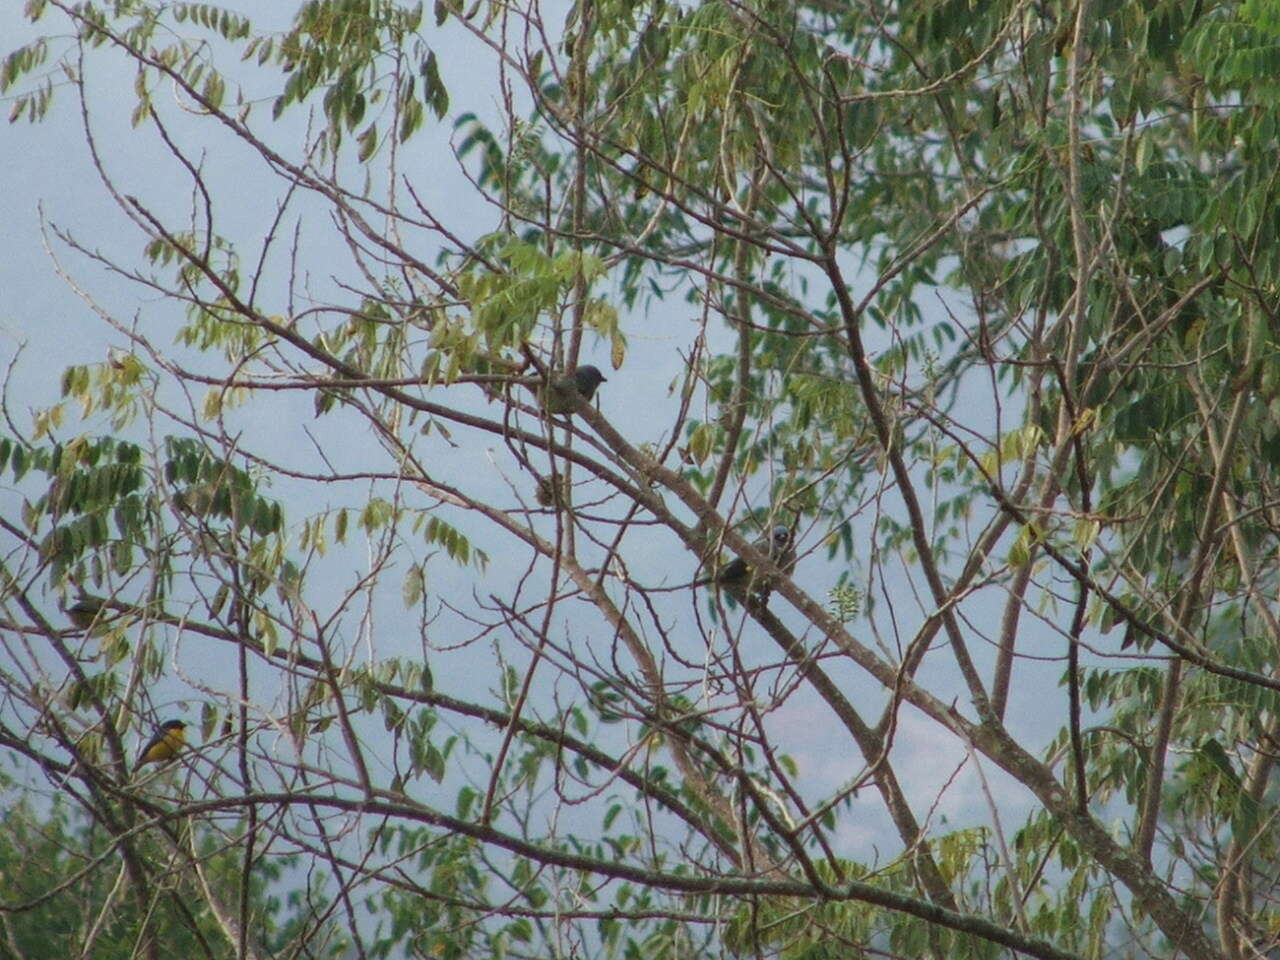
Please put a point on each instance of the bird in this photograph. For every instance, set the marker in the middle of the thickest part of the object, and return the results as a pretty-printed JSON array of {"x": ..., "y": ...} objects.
[
  {"x": 164, "y": 746},
  {"x": 779, "y": 547},
  {"x": 561, "y": 394},
  {"x": 548, "y": 493},
  {"x": 84, "y": 611}
]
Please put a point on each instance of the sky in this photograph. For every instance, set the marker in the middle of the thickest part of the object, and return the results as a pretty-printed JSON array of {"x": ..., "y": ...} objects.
[{"x": 46, "y": 323}]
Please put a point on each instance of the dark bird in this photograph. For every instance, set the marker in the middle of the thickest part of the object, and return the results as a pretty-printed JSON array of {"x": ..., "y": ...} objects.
[
  {"x": 84, "y": 612},
  {"x": 164, "y": 746},
  {"x": 779, "y": 547},
  {"x": 561, "y": 394}
]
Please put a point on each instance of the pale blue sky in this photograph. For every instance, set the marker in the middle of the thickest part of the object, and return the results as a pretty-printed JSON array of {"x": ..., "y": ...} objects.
[{"x": 47, "y": 166}]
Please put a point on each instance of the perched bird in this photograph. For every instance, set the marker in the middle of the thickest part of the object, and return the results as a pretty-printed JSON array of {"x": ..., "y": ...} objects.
[
  {"x": 84, "y": 611},
  {"x": 778, "y": 547},
  {"x": 560, "y": 395},
  {"x": 164, "y": 746},
  {"x": 547, "y": 494}
]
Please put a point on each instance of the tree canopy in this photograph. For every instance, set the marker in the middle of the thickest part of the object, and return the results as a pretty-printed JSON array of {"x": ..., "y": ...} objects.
[{"x": 976, "y": 301}]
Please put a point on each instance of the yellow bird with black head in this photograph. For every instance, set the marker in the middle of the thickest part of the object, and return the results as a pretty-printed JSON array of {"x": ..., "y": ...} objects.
[{"x": 164, "y": 746}]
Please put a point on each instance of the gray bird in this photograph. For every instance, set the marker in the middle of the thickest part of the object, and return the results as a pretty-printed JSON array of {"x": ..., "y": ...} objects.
[
  {"x": 778, "y": 547},
  {"x": 560, "y": 395}
]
